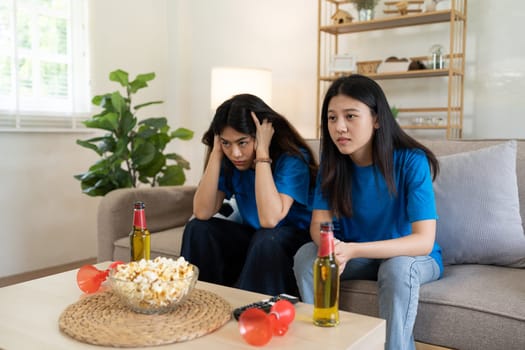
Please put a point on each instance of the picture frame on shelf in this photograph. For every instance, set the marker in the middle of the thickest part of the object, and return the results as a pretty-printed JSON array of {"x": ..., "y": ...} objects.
[{"x": 342, "y": 63}]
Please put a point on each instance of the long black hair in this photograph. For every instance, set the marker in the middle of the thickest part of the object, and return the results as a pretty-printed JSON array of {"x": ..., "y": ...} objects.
[
  {"x": 236, "y": 113},
  {"x": 336, "y": 168}
]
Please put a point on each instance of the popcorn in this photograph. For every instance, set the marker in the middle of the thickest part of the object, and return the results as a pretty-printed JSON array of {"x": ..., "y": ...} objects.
[{"x": 153, "y": 283}]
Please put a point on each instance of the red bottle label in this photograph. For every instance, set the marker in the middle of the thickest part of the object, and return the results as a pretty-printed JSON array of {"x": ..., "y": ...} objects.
[
  {"x": 326, "y": 244},
  {"x": 139, "y": 218}
]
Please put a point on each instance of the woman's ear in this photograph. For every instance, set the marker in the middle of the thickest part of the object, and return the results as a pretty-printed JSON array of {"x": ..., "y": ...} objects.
[{"x": 376, "y": 123}]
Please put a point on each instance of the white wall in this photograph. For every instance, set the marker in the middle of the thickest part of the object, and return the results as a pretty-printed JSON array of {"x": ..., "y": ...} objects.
[
  {"x": 496, "y": 68},
  {"x": 132, "y": 36},
  {"x": 45, "y": 218}
]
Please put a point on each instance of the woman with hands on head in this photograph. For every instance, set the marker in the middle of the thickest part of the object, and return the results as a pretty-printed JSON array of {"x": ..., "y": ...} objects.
[
  {"x": 256, "y": 156},
  {"x": 375, "y": 183}
]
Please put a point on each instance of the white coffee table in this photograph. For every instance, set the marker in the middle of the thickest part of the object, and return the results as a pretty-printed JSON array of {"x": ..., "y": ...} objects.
[{"x": 29, "y": 314}]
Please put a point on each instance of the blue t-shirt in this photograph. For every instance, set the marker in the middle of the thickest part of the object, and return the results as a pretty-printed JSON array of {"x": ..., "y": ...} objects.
[
  {"x": 291, "y": 176},
  {"x": 380, "y": 215}
]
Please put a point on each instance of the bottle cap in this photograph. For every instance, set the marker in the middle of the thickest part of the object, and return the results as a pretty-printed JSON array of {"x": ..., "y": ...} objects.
[{"x": 327, "y": 226}]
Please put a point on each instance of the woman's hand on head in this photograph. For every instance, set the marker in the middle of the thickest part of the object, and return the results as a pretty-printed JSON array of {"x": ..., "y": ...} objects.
[
  {"x": 217, "y": 146},
  {"x": 263, "y": 136}
]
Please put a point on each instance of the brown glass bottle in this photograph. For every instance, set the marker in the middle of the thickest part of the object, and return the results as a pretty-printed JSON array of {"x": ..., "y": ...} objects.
[
  {"x": 326, "y": 280},
  {"x": 139, "y": 237}
]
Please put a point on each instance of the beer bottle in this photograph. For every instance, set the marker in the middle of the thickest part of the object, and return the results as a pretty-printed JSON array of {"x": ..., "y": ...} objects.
[
  {"x": 326, "y": 280},
  {"x": 139, "y": 237}
]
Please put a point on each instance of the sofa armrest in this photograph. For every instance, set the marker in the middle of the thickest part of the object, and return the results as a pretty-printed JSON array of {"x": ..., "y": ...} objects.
[{"x": 166, "y": 207}]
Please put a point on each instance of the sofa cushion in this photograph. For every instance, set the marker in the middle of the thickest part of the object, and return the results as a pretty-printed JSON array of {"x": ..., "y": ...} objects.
[
  {"x": 478, "y": 207},
  {"x": 163, "y": 243},
  {"x": 473, "y": 307},
  {"x": 470, "y": 307}
]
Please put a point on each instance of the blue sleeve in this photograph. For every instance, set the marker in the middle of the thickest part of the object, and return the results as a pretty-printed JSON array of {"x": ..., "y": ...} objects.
[
  {"x": 292, "y": 177},
  {"x": 421, "y": 204}
]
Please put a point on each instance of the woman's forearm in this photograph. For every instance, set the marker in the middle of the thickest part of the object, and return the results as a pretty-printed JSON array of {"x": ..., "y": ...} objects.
[
  {"x": 419, "y": 242},
  {"x": 272, "y": 207},
  {"x": 208, "y": 198}
]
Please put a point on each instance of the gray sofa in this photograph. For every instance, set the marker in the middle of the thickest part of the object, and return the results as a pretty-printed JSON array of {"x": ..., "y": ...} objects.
[{"x": 480, "y": 301}]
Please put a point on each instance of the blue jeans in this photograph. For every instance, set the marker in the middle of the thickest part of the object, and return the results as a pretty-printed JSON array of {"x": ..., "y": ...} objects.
[{"x": 398, "y": 281}]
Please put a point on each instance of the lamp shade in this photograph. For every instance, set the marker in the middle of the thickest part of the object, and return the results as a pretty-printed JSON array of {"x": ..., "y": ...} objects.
[{"x": 229, "y": 81}]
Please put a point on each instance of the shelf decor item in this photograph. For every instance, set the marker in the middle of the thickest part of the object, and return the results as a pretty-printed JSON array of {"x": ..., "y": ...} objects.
[
  {"x": 341, "y": 17},
  {"x": 365, "y": 9},
  {"x": 416, "y": 64},
  {"x": 430, "y": 5},
  {"x": 404, "y": 7},
  {"x": 437, "y": 57},
  {"x": 341, "y": 64},
  {"x": 393, "y": 64},
  {"x": 368, "y": 67}
]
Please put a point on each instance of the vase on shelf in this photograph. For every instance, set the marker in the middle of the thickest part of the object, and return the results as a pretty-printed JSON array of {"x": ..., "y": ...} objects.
[
  {"x": 365, "y": 9},
  {"x": 437, "y": 57},
  {"x": 366, "y": 14}
]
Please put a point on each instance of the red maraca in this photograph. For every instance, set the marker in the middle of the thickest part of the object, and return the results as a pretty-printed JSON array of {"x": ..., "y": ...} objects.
[
  {"x": 257, "y": 327},
  {"x": 89, "y": 278},
  {"x": 281, "y": 315}
]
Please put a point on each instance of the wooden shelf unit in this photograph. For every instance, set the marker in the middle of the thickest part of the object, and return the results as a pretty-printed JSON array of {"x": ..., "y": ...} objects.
[{"x": 454, "y": 70}]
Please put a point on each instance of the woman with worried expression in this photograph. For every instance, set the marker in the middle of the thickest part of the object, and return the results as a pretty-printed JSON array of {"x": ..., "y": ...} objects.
[{"x": 257, "y": 157}]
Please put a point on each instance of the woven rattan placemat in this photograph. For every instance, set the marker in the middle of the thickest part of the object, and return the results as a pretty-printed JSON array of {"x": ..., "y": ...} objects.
[{"x": 101, "y": 319}]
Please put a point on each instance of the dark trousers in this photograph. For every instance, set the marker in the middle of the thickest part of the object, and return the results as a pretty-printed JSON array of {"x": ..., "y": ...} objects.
[{"x": 236, "y": 255}]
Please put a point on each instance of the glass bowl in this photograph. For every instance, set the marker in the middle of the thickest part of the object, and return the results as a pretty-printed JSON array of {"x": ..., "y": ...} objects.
[{"x": 154, "y": 294}]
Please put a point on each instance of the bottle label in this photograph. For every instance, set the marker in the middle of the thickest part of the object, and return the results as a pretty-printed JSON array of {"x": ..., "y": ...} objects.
[
  {"x": 139, "y": 218},
  {"x": 326, "y": 244}
]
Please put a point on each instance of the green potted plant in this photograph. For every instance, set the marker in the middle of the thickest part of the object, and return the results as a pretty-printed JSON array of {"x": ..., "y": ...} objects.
[{"x": 132, "y": 151}]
